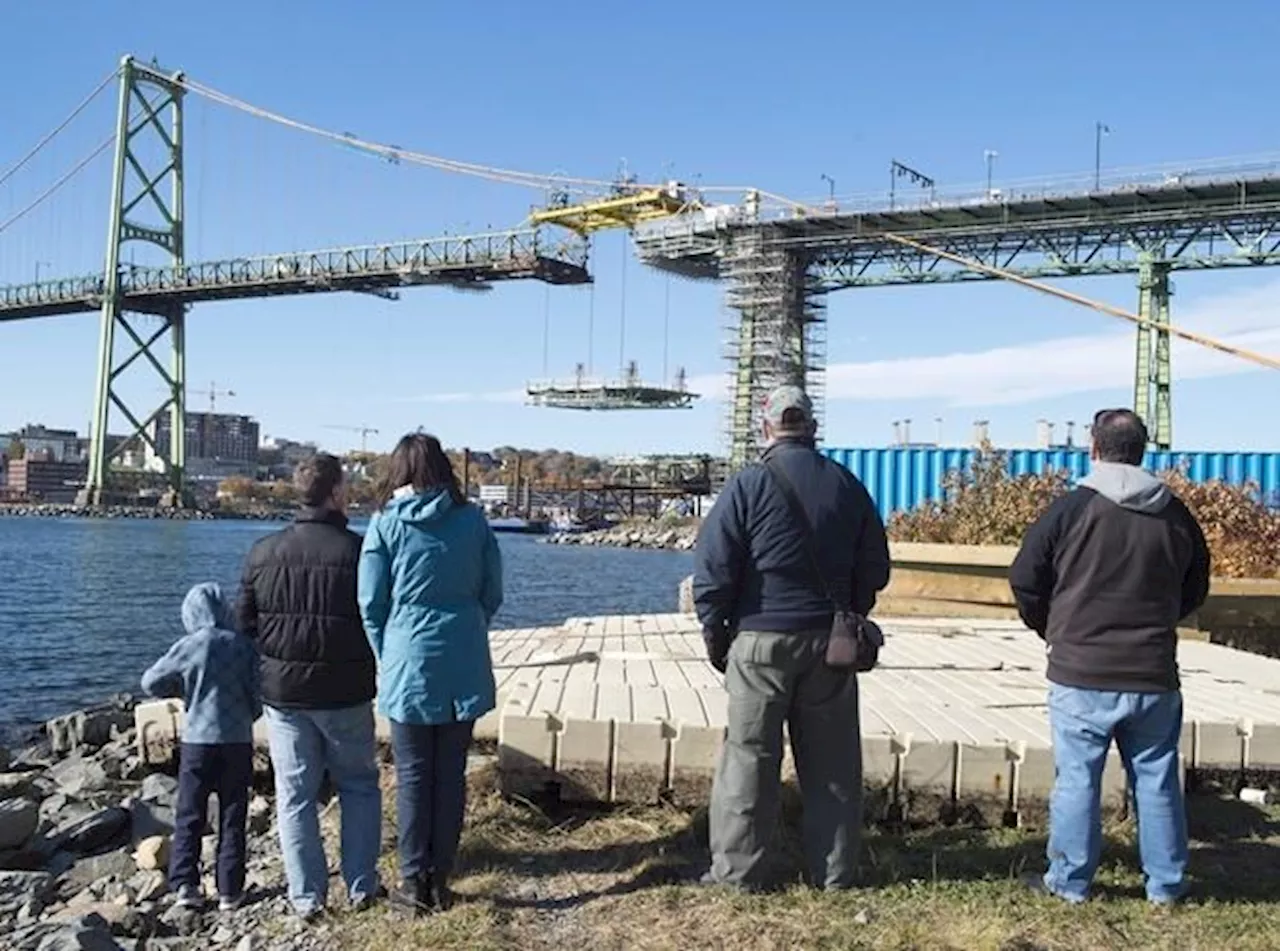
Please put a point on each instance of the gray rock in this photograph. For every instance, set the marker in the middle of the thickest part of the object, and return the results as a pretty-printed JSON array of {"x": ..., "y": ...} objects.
[
  {"x": 110, "y": 866},
  {"x": 148, "y": 886},
  {"x": 150, "y": 818},
  {"x": 160, "y": 789},
  {"x": 76, "y": 775},
  {"x": 19, "y": 819},
  {"x": 120, "y": 919},
  {"x": 92, "y": 728},
  {"x": 19, "y": 888},
  {"x": 13, "y": 785},
  {"x": 102, "y": 830},
  {"x": 259, "y": 815},
  {"x": 29, "y": 859},
  {"x": 88, "y": 933}
]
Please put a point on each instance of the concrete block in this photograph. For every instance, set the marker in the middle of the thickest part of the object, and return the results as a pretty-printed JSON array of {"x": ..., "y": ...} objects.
[{"x": 1218, "y": 746}]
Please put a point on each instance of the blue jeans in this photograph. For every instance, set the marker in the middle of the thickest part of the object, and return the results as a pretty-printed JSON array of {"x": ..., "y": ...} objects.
[
  {"x": 431, "y": 795},
  {"x": 1146, "y": 728},
  {"x": 304, "y": 745}
]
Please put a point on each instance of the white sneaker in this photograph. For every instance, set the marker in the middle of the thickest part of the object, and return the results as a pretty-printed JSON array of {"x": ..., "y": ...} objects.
[
  {"x": 230, "y": 902},
  {"x": 189, "y": 896}
]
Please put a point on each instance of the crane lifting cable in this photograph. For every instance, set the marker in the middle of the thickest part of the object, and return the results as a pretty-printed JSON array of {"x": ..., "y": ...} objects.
[{"x": 629, "y": 391}]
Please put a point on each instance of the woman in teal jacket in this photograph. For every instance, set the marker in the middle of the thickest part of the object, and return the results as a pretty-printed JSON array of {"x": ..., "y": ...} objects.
[{"x": 430, "y": 582}]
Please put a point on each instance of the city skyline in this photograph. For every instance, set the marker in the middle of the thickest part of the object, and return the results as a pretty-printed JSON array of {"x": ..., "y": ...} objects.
[{"x": 457, "y": 364}]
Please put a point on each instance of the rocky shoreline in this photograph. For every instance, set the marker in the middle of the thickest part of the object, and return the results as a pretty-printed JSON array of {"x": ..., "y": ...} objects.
[
  {"x": 85, "y": 827},
  {"x": 133, "y": 512},
  {"x": 655, "y": 536}
]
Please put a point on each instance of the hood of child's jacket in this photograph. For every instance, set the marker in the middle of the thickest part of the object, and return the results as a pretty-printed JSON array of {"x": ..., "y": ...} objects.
[
  {"x": 204, "y": 607},
  {"x": 1130, "y": 487},
  {"x": 420, "y": 507}
]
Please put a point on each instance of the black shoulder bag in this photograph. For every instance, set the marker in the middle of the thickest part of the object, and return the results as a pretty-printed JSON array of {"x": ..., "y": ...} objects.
[{"x": 855, "y": 641}]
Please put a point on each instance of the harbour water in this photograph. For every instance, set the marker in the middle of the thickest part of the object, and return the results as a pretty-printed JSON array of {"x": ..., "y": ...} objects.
[{"x": 86, "y": 605}]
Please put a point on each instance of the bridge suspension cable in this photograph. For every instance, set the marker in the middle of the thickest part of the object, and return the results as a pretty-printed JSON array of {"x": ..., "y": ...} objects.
[
  {"x": 53, "y": 189},
  {"x": 490, "y": 173},
  {"x": 50, "y": 136}
]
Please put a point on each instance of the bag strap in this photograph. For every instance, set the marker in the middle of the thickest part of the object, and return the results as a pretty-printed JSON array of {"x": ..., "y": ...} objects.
[{"x": 788, "y": 489}]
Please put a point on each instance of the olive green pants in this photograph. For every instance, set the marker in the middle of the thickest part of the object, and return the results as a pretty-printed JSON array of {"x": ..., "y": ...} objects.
[{"x": 774, "y": 679}]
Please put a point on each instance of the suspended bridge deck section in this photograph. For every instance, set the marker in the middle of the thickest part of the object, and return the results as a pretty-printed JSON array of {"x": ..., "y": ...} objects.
[
  {"x": 471, "y": 262},
  {"x": 603, "y": 395},
  {"x": 1194, "y": 220}
]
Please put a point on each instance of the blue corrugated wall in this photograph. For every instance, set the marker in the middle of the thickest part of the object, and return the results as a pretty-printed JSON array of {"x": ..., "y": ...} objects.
[{"x": 901, "y": 479}]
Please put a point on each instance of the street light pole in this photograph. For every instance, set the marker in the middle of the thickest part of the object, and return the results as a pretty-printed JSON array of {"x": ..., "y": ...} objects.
[
  {"x": 1100, "y": 129},
  {"x": 990, "y": 156},
  {"x": 40, "y": 264},
  {"x": 831, "y": 189}
]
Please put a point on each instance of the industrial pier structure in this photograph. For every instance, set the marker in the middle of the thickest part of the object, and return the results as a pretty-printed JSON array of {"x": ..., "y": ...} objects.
[{"x": 780, "y": 262}]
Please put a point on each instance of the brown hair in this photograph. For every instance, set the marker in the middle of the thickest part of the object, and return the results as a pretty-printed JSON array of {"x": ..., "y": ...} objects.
[
  {"x": 1119, "y": 435},
  {"x": 317, "y": 478},
  {"x": 420, "y": 461}
]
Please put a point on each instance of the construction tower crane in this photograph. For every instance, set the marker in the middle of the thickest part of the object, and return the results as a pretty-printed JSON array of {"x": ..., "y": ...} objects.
[
  {"x": 213, "y": 393},
  {"x": 364, "y": 431}
]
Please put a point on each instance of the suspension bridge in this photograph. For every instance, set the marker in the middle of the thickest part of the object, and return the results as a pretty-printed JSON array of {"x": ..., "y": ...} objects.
[{"x": 780, "y": 258}]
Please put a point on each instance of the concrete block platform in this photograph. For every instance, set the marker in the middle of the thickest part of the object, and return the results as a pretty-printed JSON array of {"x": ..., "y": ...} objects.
[{"x": 627, "y": 709}]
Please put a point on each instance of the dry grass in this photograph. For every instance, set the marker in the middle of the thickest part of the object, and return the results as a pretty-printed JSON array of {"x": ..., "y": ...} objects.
[{"x": 537, "y": 879}]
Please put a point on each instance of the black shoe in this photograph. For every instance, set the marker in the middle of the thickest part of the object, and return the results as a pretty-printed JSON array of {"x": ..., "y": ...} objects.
[
  {"x": 442, "y": 896},
  {"x": 414, "y": 898}
]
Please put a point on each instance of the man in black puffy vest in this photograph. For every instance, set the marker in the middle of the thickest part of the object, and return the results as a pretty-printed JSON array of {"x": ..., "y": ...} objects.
[{"x": 298, "y": 601}]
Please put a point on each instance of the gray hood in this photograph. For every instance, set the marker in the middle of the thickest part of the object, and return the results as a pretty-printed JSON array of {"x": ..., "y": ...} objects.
[
  {"x": 1131, "y": 487},
  {"x": 204, "y": 607}
]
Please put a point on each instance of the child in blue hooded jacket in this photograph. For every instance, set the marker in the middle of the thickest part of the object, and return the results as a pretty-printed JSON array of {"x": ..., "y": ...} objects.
[
  {"x": 214, "y": 670},
  {"x": 430, "y": 581}
]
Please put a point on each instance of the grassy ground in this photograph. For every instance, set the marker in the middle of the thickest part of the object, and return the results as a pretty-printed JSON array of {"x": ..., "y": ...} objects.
[{"x": 535, "y": 879}]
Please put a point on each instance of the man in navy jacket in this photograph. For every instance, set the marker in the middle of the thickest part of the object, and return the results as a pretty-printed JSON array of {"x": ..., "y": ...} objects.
[{"x": 766, "y": 619}]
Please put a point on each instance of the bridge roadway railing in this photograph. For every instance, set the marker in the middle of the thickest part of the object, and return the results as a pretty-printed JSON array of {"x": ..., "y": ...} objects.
[{"x": 466, "y": 261}]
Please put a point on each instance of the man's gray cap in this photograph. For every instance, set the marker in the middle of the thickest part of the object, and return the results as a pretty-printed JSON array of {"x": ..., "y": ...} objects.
[{"x": 785, "y": 398}]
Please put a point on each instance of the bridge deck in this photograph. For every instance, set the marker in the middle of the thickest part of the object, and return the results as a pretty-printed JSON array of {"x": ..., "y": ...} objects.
[
  {"x": 463, "y": 262},
  {"x": 1191, "y": 223},
  {"x": 627, "y": 709}
]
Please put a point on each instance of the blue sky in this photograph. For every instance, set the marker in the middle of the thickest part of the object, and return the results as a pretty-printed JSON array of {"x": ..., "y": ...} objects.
[{"x": 717, "y": 92}]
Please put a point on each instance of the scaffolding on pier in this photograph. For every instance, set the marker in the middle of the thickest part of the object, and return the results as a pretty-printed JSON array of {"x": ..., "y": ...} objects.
[{"x": 780, "y": 336}]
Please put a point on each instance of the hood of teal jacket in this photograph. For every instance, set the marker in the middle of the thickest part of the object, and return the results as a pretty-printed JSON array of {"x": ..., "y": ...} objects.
[{"x": 419, "y": 508}]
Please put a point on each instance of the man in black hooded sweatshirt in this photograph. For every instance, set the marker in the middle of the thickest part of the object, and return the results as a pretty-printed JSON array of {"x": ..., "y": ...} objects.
[{"x": 1104, "y": 577}]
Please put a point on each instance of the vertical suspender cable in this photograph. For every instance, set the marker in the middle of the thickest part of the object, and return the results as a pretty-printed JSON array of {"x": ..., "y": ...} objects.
[
  {"x": 666, "y": 327},
  {"x": 546, "y": 331},
  {"x": 622, "y": 318},
  {"x": 591, "y": 318}
]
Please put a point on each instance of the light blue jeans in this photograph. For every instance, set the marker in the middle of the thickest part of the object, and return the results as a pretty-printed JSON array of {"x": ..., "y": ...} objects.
[
  {"x": 1146, "y": 728},
  {"x": 305, "y": 744}
]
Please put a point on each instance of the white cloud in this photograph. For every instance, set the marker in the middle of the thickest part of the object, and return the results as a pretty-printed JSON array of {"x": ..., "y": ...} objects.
[{"x": 1059, "y": 366}]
